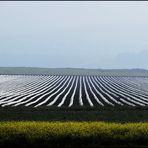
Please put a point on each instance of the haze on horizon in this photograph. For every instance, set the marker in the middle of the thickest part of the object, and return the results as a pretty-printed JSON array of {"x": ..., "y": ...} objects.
[{"x": 74, "y": 34}]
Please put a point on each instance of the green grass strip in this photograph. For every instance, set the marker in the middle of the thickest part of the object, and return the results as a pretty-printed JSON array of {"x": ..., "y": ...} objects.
[{"x": 73, "y": 133}]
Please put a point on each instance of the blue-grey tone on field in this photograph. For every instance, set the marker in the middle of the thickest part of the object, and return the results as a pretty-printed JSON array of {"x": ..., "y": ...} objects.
[{"x": 74, "y": 34}]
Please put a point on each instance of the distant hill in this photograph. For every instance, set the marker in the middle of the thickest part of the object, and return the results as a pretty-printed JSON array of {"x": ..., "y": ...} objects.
[{"x": 71, "y": 71}]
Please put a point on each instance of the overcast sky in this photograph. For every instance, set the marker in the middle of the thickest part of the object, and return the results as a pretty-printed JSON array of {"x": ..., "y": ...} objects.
[{"x": 74, "y": 34}]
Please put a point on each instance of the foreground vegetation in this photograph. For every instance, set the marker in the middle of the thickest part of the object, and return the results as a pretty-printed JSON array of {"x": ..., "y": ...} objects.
[
  {"x": 72, "y": 134},
  {"x": 73, "y": 127}
]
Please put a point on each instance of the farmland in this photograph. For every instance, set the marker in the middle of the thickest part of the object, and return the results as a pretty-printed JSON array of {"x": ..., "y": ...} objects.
[
  {"x": 68, "y": 90},
  {"x": 71, "y": 107}
]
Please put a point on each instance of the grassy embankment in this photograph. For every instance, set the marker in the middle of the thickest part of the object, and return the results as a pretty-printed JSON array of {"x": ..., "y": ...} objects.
[{"x": 83, "y": 127}]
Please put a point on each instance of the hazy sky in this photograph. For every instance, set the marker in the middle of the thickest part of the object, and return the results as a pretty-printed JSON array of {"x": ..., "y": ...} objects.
[{"x": 74, "y": 34}]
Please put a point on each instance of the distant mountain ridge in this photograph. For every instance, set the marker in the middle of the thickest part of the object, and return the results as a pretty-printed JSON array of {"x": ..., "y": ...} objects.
[{"x": 71, "y": 71}]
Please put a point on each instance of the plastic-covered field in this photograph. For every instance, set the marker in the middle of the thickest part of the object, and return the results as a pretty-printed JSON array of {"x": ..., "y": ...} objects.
[{"x": 68, "y": 90}]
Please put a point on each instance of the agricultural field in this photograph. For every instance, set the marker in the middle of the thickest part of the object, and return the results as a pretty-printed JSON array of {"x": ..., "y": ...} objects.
[
  {"x": 67, "y": 90},
  {"x": 93, "y": 108}
]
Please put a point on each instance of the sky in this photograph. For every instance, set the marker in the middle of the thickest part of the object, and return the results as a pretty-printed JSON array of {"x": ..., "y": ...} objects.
[{"x": 109, "y": 35}]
